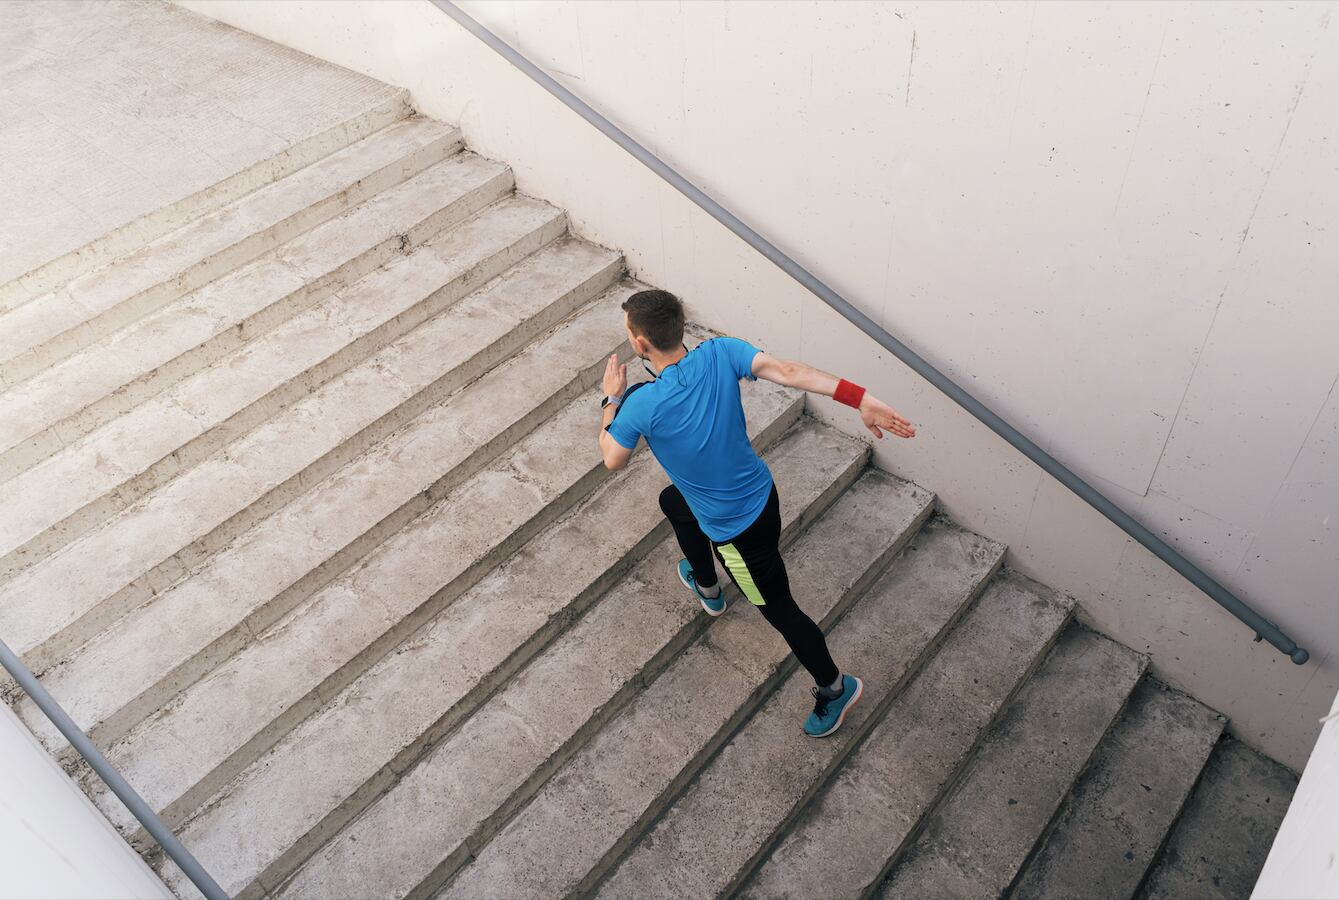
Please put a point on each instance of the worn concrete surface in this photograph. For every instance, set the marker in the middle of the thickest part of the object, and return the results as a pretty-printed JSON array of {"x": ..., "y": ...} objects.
[
  {"x": 1219, "y": 845},
  {"x": 69, "y": 399},
  {"x": 55, "y": 325},
  {"x": 125, "y": 113},
  {"x": 1116, "y": 817},
  {"x": 65, "y": 495},
  {"x": 290, "y": 801},
  {"x": 630, "y": 771},
  {"x": 975, "y": 844},
  {"x": 139, "y": 661},
  {"x": 869, "y": 809},
  {"x": 770, "y": 768},
  {"x": 58, "y": 604},
  {"x": 548, "y": 711}
]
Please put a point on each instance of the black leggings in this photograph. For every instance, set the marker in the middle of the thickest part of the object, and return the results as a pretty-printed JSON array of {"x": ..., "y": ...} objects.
[{"x": 753, "y": 559}]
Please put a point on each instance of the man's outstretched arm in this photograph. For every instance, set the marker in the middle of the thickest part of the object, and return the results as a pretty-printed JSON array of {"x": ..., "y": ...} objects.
[{"x": 877, "y": 415}]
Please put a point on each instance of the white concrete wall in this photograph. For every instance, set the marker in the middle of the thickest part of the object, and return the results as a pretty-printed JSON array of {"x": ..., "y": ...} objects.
[
  {"x": 1304, "y": 861},
  {"x": 53, "y": 841},
  {"x": 1115, "y": 223}
]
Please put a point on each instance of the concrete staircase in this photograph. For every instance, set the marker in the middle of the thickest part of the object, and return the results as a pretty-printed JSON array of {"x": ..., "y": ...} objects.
[{"x": 304, "y": 523}]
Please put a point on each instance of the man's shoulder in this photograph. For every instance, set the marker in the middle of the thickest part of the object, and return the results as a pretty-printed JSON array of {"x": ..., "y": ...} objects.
[{"x": 638, "y": 396}]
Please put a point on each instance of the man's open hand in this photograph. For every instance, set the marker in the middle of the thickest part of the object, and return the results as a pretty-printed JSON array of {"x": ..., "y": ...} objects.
[
  {"x": 615, "y": 377},
  {"x": 878, "y": 415}
]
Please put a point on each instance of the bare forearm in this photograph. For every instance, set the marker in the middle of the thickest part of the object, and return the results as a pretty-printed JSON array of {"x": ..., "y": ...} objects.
[
  {"x": 807, "y": 378},
  {"x": 876, "y": 414}
]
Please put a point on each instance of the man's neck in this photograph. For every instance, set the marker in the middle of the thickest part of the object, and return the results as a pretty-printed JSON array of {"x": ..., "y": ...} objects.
[{"x": 660, "y": 360}]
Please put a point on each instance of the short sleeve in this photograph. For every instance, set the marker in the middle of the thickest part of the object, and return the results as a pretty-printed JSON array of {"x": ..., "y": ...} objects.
[
  {"x": 740, "y": 355},
  {"x": 630, "y": 421}
]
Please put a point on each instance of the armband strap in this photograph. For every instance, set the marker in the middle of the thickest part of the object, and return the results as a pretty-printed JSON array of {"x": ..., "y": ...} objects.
[{"x": 848, "y": 393}]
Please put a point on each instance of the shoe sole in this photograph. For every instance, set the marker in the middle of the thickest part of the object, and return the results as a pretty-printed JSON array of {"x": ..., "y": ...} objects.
[
  {"x": 859, "y": 692},
  {"x": 709, "y": 611}
]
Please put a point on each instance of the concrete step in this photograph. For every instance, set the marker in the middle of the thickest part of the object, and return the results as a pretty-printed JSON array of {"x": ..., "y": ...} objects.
[
  {"x": 63, "y": 497},
  {"x": 476, "y": 779},
  {"x": 57, "y": 605},
  {"x": 978, "y": 839},
  {"x": 132, "y": 236},
  {"x": 293, "y": 799},
  {"x": 247, "y": 704},
  {"x": 162, "y": 646},
  {"x": 591, "y": 810},
  {"x": 1218, "y": 847},
  {"x": 65, "y": 402},
  {"x": 1120, "y": 811},
  {"x": 770, "y": 768},
  {"x": 869, "y": 810},
  {"x": 49, "y": 328}
]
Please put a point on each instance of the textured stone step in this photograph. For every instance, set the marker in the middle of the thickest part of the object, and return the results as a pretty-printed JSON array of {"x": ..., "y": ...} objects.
[
  {"x": 50, "y": 328},
  {"x": 249, "y": 702},
  {"x": 294, "y": 798},
  {"x": 1120, "y": 811},
  {"x": 979, "y": 838},
  {"x": 59, "y": 604},
  {"x": 66, "y": 401},
  {"x": 61, "y": 498},
  {"x": 770, "y": 767},
  {"x": 62, "y": 602},
  {"x": 130, "y": 237},
  {"x": 592, "y": 809},
  {"x": 164, "y": 645},
  {"x": 472, "y": 783},
  {"x": 1219, "y": 846},
  {"x": 867, "y": 812}
]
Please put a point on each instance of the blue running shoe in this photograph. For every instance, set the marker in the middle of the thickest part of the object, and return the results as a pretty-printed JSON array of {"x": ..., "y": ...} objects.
[
  {"x": 828, "y": 712},
  {"x": 713, "y": 605}
]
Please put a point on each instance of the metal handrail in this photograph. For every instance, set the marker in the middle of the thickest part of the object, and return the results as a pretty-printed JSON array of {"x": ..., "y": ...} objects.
[
  {"x": 1264, "y": 629},
  {"x": 107, "y": 772}
]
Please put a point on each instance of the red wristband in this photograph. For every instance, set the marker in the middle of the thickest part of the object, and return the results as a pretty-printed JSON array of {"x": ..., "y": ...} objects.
[{"x": 848, "y": 393}]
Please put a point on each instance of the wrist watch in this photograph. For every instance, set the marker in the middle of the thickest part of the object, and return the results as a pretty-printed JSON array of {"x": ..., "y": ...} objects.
[{"x": 608, "y": 399}]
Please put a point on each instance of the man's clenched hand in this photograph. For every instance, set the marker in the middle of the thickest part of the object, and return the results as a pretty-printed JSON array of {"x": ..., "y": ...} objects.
[{"x": 879, "y": 415}]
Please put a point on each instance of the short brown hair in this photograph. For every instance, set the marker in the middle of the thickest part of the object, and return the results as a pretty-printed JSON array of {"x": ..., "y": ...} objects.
[{"x": 658, "y": 317}]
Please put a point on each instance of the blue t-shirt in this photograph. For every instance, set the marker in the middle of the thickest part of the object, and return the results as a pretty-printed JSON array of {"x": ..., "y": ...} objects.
[{"x": 693, "y": 421}]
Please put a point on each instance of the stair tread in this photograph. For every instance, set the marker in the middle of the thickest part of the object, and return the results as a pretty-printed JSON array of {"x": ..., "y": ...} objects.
[
  {"x": 867, "y": 810},
  {"x": 369, "y": 726},
  {"x": 208, "y": 313},
  {"x": 1125, "y": 803},
  {"x": 149, "y": 643},
  {"x": 486, "y": 767},
  {"x": 102, "y": 462},
  {"x": 617, "y": 778},
  {"x": 26, "y": 328},
  {"x": 44, "y": 600},
  {"x": 451, "y": 545},
  {"x": 241, "y": 701},
  {"x": 977, "y": 841},
  {"x": 1218, "y": 847},
  {"x": 770, "y": 766}
]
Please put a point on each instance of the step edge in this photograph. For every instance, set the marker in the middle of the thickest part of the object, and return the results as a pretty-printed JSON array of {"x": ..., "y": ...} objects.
[
  {"x": 951, "y": 787},
  {"x": 242, "y": 421},
  {"x": 563, "y": 307},
  {"x": 450, "y": 721},
  {"x": 866, "y": 726},
  {"x": 65, "y": 343},
  {"x": 119, "y": 242},
  {"x": 516, "y": 802},
  {"x": 206, "y": 353}
]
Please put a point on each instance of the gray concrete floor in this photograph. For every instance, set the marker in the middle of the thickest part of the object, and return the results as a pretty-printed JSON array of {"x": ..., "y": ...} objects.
[{"x": 109, "y": 110}]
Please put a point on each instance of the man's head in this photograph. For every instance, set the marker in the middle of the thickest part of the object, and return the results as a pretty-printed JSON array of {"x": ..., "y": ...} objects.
[{"x": 654, "y": 320}]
